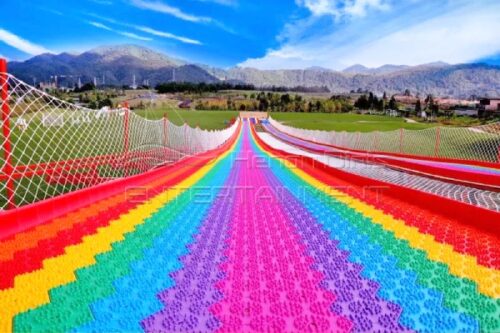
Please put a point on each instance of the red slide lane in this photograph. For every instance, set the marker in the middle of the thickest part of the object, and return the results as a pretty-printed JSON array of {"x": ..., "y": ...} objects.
[{"x": 429, "y": 213}]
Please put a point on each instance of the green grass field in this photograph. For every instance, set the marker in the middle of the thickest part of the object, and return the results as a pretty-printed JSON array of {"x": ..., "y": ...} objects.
[
  {"x": 39, "y": 144},
  {"x": 203, "y": 119},
  {"x": 454, "y": 142},
  {"x": 345, "y": 122}
]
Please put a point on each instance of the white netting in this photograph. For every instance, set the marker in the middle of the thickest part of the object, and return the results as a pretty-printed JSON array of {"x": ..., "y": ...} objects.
[
  {"x": 57, "y": 147},
  {"x": 470, "y": 195},
  {"x": 479, "y": 143}
]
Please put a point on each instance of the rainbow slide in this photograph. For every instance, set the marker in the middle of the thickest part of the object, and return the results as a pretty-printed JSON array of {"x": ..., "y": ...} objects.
[{"x": 252, "y": 240}]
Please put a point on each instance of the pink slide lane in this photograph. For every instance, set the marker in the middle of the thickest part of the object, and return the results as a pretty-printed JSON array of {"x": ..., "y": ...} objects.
[{"x": 269, "y": 284}]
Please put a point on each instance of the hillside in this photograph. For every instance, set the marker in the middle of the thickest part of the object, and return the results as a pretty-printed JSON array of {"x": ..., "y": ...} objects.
[
  {"x": 440, "y": 80},
  {"x": 118, "y": 65}
]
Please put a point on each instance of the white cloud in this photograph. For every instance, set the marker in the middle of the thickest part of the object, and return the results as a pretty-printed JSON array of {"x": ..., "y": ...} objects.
[
  {"x": 168, "y": 35},
  {"x": 144, "y": 29},
  {"x": 161, "y": 7},
  {"x": 458, "y": 37},
  {"x": 134, "y": 36},
  {"x": 123, "y": 33},
  {"x": 360, "y": 7},
  {"x": 103, "y": 18},
  {"x": 339, "y": 8},
  {"x": 320, "y": 7},
  {"x": 461, "y": 35},
  {"x": 100, "y": 25},
  {"x": 21, "y": 44}
]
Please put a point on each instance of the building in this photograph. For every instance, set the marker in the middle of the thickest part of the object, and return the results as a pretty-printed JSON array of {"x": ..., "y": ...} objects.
[
  {"x": 406, "y": 100},
  {"x": 46, "y": 86},
  {"x": 489, "y": 105},
  {"x": 185, "y": 104},
  {"x": 466, "y": 111}
]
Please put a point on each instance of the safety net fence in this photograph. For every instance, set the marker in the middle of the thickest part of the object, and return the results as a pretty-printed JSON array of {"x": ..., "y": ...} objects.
[
  {"x": 50, "y": 146},
  {"x": 480, "y": 143}
]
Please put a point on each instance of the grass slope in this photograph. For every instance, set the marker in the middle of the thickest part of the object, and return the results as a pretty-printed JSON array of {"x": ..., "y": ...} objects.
[
  {"x": 345, "y": 122},
  {"x": 204, "y": 119}
]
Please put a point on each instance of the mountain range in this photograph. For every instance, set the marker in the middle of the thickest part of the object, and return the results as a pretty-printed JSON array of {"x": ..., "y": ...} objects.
[{"x": 117, "y": 65}]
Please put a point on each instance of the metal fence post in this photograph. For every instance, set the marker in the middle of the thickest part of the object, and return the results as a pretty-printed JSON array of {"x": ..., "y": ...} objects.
[
  {"x": 7, "y": 147},
  {"x": 401, "y": 140},
  {"x": 438, "y": 141}
]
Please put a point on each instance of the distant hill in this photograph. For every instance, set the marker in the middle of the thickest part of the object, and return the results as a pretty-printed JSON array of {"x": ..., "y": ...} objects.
[
  {"x": 118, "y": 65},
  {"x": 146, "y": 57},
  {"x": 388, "y": 69},
  {"x": 437, "y": 79},
  {"x": 385, "y": 69}
]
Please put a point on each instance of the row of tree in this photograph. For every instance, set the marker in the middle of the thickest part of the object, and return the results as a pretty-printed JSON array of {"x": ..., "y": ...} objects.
[
  {"x": 189, "y": 87},
  {"x": 372, "y": 102},
  {"x": 276, "y": 102},
  {"x": 97, "y": 100}
]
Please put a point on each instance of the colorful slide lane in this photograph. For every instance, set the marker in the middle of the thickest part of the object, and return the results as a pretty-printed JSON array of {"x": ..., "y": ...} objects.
[{"x": 250, "y": 243}]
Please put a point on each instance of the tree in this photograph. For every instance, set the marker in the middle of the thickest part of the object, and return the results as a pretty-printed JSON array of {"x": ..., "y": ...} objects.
[
  {"x": 362, "y": 102},
  {"x": 429, "y": 100},
  {"x": 380, "y": 105},
  {"x": 92, "y": 105},
  {"x": 263, "y": 103},
  {"x": 375, "y": 103},
  {"x": 318, "y": 106},
  {"x": 285, "y": 99},
  {"x": 370, "y": 100},
  {"x": 431, "y": 105},
  {"x": 329, "y": 106},
  {"x": 86, "y": 87},
  {"x": 310, "y": 107},
  {"x": 393, "y": 105},
  {"x": 230, "y": 105},
  {"x": 418, "y": 107},
  {"x": 105, "y": 102}
]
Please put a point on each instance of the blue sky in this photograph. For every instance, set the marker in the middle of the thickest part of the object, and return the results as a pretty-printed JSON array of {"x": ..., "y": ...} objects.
[{"x": 266, "y": 34}]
